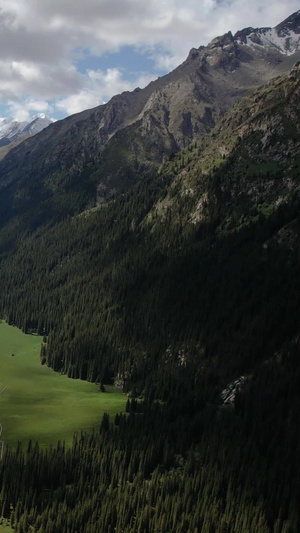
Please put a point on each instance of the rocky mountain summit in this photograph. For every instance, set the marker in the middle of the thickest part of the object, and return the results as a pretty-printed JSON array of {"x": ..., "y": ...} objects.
[
  {"x": 284, "y": 38},
  {"x": 10, "y": 130}
]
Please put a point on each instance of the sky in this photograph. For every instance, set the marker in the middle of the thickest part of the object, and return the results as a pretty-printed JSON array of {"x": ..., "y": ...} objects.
[{"x": 60, "y": 57}]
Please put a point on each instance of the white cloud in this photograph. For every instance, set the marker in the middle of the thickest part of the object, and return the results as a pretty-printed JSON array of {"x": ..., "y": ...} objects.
[
  {"x": 85, "y": 99},
  {"x": 39, "y": 106},
  {"x": 38, "y": 40},
  {"x": 19, "y": 112},
  {"x": 28, "y": 73},
  {"x": 100, "y": 87},
  {"x": 22, "y": 111}
]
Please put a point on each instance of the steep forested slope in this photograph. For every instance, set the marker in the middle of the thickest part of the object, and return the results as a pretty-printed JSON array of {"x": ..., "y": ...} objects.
[
  {"x": 175, "y": 288},
  {"x": 187, "y": 256}
]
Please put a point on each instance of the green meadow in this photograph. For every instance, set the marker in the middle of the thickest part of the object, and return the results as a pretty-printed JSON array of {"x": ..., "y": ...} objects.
[
  {"x": 5, "y": 527},
  {"x": 39, "y": 404}
]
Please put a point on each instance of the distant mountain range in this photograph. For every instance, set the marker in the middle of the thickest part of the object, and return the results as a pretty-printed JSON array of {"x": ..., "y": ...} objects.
[{"x": 10, "y": 129}]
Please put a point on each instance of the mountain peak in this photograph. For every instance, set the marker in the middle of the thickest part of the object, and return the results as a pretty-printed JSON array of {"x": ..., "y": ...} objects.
[
  {"x": 291, "y": 24},
  {"x": 11, "y": 129},
  {"x": 40, "y": 115},
  {"x": 253, "y": 33},
  {"x": 284, "y": 38},
  {"x": 221, "y": 41}
]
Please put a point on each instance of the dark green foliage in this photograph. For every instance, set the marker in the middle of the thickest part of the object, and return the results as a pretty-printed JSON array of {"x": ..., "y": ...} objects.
[
  {"x": 117, "y": 300},
  {"x": 219, "y": 470},
  {"x": 176, "y": 322},
  {"x": 173, "y": 289}
]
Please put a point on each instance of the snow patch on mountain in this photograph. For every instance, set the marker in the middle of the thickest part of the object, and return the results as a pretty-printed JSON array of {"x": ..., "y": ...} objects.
[
  {"x": 12, "y": 129},
  {"x": 285, "y": 44},
  {"x": 284, "y": 38}
]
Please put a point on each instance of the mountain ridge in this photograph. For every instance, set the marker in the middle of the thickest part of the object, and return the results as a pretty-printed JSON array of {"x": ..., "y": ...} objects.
[
  {"x": 148, "y": 125},
  {"x": 285, "y": 37},
  {"x": 261, "y": 120},
  {"x": 11, "y": 129}
]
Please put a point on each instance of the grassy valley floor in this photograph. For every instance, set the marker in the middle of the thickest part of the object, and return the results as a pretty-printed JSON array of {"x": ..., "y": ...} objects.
[
  {"x": 5, "y": 527},
  {"x": 39, "y": 404}
]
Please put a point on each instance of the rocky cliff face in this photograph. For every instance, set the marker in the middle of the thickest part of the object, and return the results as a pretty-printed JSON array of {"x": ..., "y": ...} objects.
[{"x": 247, "y": 167}]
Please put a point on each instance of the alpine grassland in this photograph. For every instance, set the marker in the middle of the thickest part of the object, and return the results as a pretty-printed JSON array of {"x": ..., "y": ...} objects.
[{"x": 41, "y": 405}]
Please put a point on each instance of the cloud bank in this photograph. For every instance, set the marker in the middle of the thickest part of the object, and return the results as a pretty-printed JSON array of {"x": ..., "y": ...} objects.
[{"x": 41, "y": 44}]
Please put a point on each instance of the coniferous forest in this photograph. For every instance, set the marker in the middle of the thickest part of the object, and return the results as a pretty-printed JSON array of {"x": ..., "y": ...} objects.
[{"x": 177, "y": 287}]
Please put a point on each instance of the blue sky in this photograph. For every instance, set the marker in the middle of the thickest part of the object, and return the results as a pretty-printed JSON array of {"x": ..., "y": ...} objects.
[
  {"x": 129, "y": 59},
  {"x": 61, "y": 57}
]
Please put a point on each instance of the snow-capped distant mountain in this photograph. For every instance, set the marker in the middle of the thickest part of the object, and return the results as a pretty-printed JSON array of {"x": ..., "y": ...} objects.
[
  {"x": 10, "y": 130},
  {"x": 285, "y": 37}
]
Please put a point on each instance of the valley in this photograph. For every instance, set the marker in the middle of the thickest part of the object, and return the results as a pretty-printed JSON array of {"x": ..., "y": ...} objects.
[
  {"x": 38, "y": 404},
  {"x": 154, "y": 242}
]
